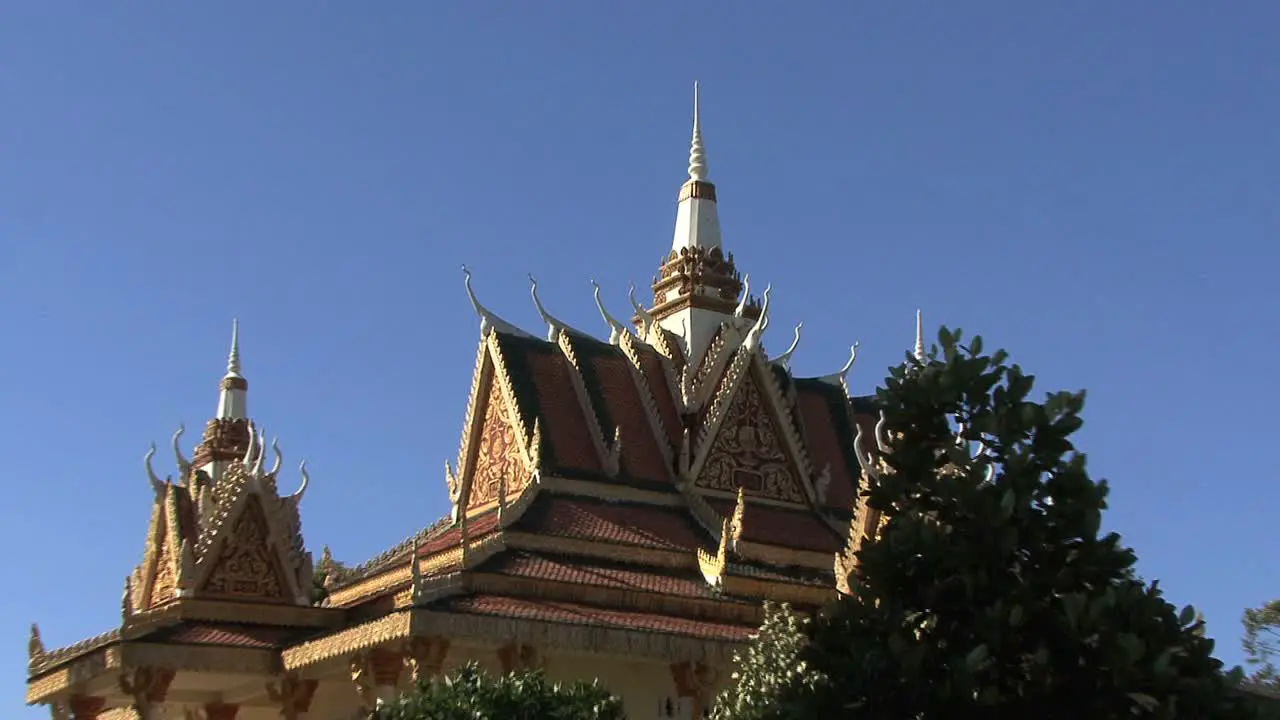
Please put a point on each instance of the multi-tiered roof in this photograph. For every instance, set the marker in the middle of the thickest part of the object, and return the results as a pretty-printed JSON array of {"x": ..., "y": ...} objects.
[{"x": 639, "y": 494}]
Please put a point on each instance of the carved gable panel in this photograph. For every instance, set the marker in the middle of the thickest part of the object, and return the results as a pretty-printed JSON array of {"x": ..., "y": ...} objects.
[
  {"x": 164, "y": 582},
  {"x": 247, "y": 566},
  {"x": 498, "y": 454},
  {"x": 748, "y": 450}
]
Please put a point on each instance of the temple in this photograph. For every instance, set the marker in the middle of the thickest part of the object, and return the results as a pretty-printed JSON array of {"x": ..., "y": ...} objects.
[{"x": 621, "y": 507}]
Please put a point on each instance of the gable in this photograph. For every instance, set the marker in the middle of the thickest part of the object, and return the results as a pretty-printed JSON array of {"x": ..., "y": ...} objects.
[
  {"x": 749, "y": 452},
  {"x": 163, "y": 578},
  {"x": 247, "y": 566},
  {"x": 497, "y": 454}
]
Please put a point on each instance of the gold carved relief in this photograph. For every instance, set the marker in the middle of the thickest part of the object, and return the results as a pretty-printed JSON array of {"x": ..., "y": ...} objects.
[
  {"x": 246, "y": 565},
  {"x": 498, "y": 456},
  {"x": 748, "y": 451},
  {"x": 164, "y": 583}
]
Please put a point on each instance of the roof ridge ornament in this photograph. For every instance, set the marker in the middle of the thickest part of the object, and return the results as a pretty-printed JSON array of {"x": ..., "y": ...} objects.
[
  {"x": 184, "y": 465},
  {"x": 785, "y": 358},
  {"x": 646, "y": 317},
  {"x": 616, "y": 329},
  {"x": 488, "y": 320},
  {"x": 762, "y": 323},
  {"x": 838, "y": 377},
  {"x": 157, "y": 485},
  {"x": 554, "y": 325}
]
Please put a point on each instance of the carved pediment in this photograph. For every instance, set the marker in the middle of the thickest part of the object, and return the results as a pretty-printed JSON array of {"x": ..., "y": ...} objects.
[
  {"x": 748, "y": 450},
  {"x": 498, "y": 466},
  {"x": 247, "y": 566}
]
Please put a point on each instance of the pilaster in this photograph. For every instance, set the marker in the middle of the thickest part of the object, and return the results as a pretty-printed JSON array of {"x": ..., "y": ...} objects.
[
  {"x": 86, "y": 707},
  {"x": 517, "y": 657},
  {"x": 425, "y": 657},
  {"x": 293, "y": 695},
  {"x": 695, "y": 681},
  {"x": 147, "y": 686}
]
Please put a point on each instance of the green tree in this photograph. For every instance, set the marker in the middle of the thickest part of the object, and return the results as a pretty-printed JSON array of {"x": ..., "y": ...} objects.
[
  {"x": 470, "y": 694},
  {"x": 1262, "y": 644},
  {"x": 990, "y": 589},
  {"x": 769, "y": 667}
]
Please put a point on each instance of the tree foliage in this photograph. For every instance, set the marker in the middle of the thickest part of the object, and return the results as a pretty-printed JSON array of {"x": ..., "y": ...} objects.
[
  {"x": 470, "y": 694},
  {"x": 769, "y": 667},
  {"x": 991, "y": 590},
  {"x": 1262, "y": 644}
]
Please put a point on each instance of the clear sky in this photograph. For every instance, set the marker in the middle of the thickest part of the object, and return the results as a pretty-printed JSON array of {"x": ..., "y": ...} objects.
[{"x": 1089, "y": 184}]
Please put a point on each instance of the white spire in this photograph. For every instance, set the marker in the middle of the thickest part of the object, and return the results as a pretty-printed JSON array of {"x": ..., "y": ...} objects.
[
  {"x": 697, "y": 152},
  {"x": 232, "y": 400},
  {"x": 233, "y": 358},
  {"x": 919, "y": 351}
]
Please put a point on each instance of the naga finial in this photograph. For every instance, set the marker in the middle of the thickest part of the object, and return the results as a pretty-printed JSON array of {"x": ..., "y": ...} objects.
[
  {"x": 762, "y": 323},
  {"x": 554, "y": 326},
  {"x": 35, "y": 645},
  {"x": 184, "y": 465},
  {"x": 616, "y": 329},
  {"x": 126, "y": 599},
  {"x": 275, "y": 466},
  {"x": 646, "y": 318},
  {"x": 302, "y": 488},
  {"x": 865, "y": 458},
  {"x": 157, "y": 485},
  {"x": 741, "y": 309},
  {"x": 247, "y": 460},
  {"x": 261, "y": 457},
  {"x": 488, "y": 320},
  {"x": 838, "y": 377},
  {"x": 785, "y": 358}
]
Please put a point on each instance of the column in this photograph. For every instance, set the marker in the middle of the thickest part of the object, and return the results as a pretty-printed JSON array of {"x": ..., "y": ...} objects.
[
  {"x": 517, "y": 657},
  {"x": 293, "y": 695},
  {"x": 148, "y": 687},
  {"x": 425, "y": 657},
  {"x": 376, "y": 674},
  {"x": 695, "y": 681},
  {"x": 86, "y": 707}
]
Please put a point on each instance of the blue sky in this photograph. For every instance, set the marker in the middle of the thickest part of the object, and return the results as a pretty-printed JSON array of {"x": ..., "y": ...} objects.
[{"x": 1088, "y": 184}]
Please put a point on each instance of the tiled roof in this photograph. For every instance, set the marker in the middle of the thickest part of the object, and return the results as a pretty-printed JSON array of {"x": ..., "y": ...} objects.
[
  {"x": 615, "y": 398},
  {"x": 654, "y": 526},
  {"x": 651, "y": 367},
  {"x": 580, "y": 571},
  {"x": 231, "y": 635},
  {"x": 452, "y": 535},
  {"x": 578, "y": 614},
  {"x": 829, "y": 432},
  {"x": 797, "y": 529}
]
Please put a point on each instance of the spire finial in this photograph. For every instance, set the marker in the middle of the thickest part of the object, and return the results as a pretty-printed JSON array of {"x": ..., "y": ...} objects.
[
  {"x": 697, "y": 153},
  {"x": 233, "y": 358},
  {"x": 919, "y": 351}
]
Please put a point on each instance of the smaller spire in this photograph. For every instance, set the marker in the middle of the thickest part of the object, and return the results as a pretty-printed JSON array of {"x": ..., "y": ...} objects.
[
  {"x": 697, "y": 151},
  {"x": 919, "y": 351},
  {"x": 233, "y": 358},
  {"x": 232, "y": 401}
]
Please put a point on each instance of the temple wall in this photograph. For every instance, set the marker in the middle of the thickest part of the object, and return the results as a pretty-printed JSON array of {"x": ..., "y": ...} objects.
[{"x": 647, "y": 687}]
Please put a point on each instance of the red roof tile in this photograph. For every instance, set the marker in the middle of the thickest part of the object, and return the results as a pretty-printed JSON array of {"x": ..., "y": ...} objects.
[
  {"x": 576, "y": 614},
  {"x": 825, "y": 447},
  {"x": 246, "y": 636},
  {"x": 563, "y": 423},
  {"x": 641, "y": 456},
  {"x": 796, "y": 529},
  {"x": 617, "y": 576},
  {"x": 476, "y": 527},
  {"x": 653, "y": 526},
  {"x": 655, "y": 376}
]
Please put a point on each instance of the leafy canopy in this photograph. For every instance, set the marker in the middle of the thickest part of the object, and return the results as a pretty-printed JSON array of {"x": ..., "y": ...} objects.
[
  {"x": 470, "y": 694},
  {"x": 1262, "y": 644},
  {"x": 990, "y": 588}
]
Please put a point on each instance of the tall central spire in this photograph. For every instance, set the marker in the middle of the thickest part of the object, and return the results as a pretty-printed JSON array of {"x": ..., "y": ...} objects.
[
  {"x": 697, "y": 220},
  {"x": 233, "y": 400},
  {"x": 698, "y": 286}
]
